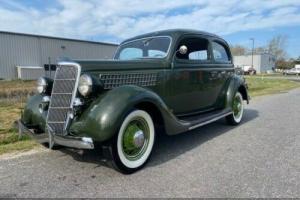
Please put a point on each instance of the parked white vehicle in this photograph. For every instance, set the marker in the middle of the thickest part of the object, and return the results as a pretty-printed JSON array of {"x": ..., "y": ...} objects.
[
  {"x": 293, "y": 71},
  {"x": 249, "y": 70}
]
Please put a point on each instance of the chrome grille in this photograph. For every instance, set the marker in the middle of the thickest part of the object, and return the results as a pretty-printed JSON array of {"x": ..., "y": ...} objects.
[
  {"x": 111, "y": 81},
  {"x": 63, "y": 93}
]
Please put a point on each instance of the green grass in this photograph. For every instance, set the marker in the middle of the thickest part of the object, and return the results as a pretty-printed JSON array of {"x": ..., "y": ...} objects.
[
  {"x": 9, "y": 138},
  {"x": 19, "y": 146},
  {"x": 270, "y": 75},
  {"x": 12, "y": 97},
  {"x": 258, "y": 85}
]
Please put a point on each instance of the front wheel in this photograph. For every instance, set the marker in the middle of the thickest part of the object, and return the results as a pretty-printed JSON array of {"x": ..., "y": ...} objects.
[
  {"x": 237, "y": 110},
  {"x": 132, "y": 147}
]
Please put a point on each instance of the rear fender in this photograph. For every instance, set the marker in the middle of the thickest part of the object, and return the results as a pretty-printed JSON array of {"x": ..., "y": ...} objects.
[{"x": 236, "y": 84}]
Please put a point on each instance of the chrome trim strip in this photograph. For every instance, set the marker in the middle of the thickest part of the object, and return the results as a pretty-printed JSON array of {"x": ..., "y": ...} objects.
[
  {"x": 68, "y": 141},
  {"x": 77, "y": 79},
  {"x": 59, "y": 107},
  {"x": 61, "y": 93},
  {"x": 67, "y": 79},
  {"x": 80, "y": 143},
  {"x": 74, "y": 91},
  {"x": 209, "y": 121}
]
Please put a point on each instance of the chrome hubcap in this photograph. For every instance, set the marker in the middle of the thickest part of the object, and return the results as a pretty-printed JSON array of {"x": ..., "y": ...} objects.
[
  {"x": 138, "y": 139},
  {"x": 135, "y": 139},
  {"x": 237, "y": 106}
]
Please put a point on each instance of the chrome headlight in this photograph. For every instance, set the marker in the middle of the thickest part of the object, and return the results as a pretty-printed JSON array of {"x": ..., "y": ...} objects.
[
  {"x": 41, "y": 85},
  {"x": 85, "y": 85}
]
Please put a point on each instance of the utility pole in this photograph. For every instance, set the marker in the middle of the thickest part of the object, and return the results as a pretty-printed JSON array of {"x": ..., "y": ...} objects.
[
  {"x": 252, "y": 51},
  {"x": 49, "y": 67}
]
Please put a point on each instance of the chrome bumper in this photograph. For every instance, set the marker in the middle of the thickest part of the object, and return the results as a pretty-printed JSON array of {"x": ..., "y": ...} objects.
[{"x": 68, "y": 141}]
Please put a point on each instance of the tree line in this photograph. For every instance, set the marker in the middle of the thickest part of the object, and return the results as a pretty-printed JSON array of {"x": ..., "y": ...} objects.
[{"x": 276, "y": 46}]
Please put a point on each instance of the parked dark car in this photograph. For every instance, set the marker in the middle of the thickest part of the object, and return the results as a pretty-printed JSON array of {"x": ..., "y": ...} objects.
[{"x": 167, "y": 82}]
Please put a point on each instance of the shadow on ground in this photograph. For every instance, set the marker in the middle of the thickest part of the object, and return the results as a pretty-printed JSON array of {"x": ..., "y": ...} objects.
[{"x": 168, "y": 147}]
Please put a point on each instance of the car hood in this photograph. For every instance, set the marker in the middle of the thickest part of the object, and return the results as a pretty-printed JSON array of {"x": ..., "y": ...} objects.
[{"x": 121, "y": 65}]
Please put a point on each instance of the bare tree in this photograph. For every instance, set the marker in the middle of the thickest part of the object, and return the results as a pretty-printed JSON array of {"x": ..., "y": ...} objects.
[
  {"x": 297, "y": 61},
  {"x": 238, "y": 50},
  {"x": 285, "y": 64},
  {"x": 259, "y": 50},
  {"x": 277, "y": 45}
]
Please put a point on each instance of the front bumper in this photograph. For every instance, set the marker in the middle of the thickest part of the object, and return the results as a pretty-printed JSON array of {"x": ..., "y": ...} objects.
[{"x": 68, "y": 141}]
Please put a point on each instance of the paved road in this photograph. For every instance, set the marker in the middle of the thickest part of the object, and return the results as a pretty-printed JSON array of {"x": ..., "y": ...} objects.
[{"x": 260, "y": 158}]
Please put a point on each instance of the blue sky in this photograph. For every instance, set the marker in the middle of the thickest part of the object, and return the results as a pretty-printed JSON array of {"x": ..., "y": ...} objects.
[
  {"x": 116, "y": 20},
  {"x": 263, "y": 36}
]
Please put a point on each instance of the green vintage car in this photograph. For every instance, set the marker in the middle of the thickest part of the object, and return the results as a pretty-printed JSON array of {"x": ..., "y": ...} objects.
[{"x": 168, "y": 82}]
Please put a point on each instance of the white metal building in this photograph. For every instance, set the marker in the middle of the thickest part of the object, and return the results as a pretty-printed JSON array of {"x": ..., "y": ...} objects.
[
  {"x": 261, "y": 62},
  {"x": 26, "y": 56}
]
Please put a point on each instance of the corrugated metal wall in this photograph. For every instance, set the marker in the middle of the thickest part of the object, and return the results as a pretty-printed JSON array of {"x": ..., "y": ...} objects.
[
  {"x": 246, "y": 60},
  {"x": 262, "y": 62},
  {"x": 267, "y": 62},
  {"x": 27, "y": 50},
  {"x": 17, "y": 50}
]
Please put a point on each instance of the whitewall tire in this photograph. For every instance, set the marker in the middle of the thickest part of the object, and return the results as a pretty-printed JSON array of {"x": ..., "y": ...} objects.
[
  {"x": 237, "y": 109},
  {"x": 134, "y": 142}
]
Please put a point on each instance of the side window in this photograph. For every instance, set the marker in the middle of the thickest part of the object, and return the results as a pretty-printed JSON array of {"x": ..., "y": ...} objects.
[
  {"x": 156, "y": 53},
  {"x": 130, "y": 53},
  {"x": 198, "y": 55},
  {"x": 219, "y": 52},
  {"x": 197, "y": 49}
]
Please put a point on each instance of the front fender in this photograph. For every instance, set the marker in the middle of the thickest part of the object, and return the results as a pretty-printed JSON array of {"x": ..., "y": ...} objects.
[
  {"x": 31, "y": 115},
  {"x": 102, "y": 119}
]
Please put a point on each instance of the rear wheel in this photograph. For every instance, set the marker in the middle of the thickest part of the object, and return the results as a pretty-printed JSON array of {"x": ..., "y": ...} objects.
[
  {"x": 132, "y": 147},
  {"x": 237, "y": 110}
]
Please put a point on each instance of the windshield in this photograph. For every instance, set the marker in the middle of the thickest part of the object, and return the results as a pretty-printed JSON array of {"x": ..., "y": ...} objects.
[{"x": 154, "y": 47}]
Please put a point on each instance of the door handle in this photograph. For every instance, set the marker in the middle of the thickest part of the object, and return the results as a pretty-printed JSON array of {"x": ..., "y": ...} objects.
[{"x": 213, "y": 75}]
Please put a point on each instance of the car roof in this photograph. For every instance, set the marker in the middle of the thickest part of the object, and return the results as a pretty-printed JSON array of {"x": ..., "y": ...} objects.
[{"x": 174, "y": 33}]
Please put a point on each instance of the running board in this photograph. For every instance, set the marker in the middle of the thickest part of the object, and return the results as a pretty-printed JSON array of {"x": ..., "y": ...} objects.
[{"x": 209, "y": 121}]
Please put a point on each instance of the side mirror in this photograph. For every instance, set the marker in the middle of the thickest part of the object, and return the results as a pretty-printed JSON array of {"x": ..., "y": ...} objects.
[{"x": 183, "y": 49}]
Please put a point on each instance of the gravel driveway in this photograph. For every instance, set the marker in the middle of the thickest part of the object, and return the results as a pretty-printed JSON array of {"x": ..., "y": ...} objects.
[{"x": 260, "y": 158}]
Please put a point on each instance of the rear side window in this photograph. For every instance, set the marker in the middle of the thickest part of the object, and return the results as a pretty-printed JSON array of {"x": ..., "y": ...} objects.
[
  {"x": 219, "y": 52},
  {"x": 198, "y": 55},
  {"x": 197, "y": 49}
]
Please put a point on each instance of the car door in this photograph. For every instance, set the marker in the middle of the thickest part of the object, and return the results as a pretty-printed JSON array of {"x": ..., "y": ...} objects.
[
  {"x": 194, "y": 82},
  {"x": 223, "y": 67}
]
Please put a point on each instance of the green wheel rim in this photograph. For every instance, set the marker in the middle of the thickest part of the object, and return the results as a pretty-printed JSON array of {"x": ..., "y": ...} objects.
[
  {"x": 237, "y": 106},
  {"x": 131, "y": 151}
]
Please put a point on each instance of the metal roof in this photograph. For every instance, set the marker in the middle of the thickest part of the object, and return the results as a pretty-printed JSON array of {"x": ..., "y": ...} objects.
[{"x": 58, "y": 38}]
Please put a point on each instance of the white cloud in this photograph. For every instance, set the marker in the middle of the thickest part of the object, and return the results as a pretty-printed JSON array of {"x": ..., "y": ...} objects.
[{"x": 125, "y": 18}]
